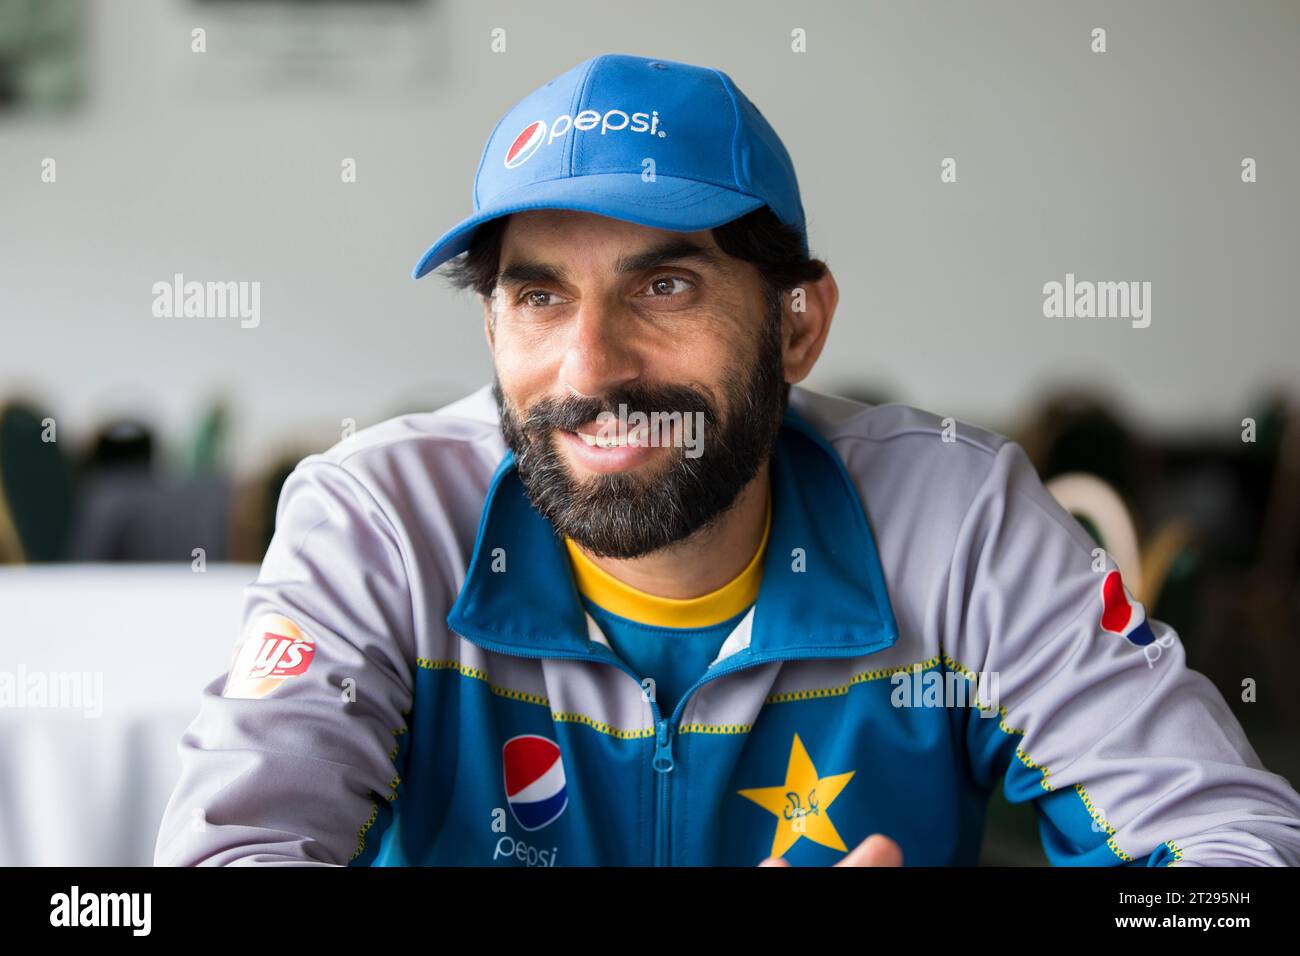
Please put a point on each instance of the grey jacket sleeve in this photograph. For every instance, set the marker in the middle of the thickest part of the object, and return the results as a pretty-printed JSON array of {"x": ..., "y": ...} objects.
[
  {"x": 293, "y": 756},
  {"x": 1130, "y": 757}
]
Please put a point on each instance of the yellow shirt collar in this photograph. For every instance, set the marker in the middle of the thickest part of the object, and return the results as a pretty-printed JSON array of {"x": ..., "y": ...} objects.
[{"x": 608, "y": 592}]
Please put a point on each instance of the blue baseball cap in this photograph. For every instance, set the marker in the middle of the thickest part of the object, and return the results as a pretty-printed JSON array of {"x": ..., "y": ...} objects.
[{"x": 658, "y": 143}]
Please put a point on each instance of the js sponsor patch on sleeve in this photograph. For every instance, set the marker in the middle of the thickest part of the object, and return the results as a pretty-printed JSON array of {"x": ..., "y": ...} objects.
[{"x": 272, "y": 650}]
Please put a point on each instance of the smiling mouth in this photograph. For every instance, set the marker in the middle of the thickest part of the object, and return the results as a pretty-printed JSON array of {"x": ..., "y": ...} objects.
[{"x": 616, "y": 438}]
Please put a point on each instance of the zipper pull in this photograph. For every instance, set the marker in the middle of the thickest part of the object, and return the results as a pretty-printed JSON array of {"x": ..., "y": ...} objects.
[{"x": 663, "y": 761}]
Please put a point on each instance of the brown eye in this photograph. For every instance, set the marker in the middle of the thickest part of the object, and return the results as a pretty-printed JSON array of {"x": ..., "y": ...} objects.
[
  {"x": 663, "y": 286},
  {"x": 530, "y": 298}
]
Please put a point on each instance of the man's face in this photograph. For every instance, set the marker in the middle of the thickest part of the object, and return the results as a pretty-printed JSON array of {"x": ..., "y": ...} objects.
[{"x": 638, "y": 376}]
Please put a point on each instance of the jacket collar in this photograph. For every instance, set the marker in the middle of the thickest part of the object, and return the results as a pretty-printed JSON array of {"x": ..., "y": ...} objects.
[{"x": 822, "y": 595}]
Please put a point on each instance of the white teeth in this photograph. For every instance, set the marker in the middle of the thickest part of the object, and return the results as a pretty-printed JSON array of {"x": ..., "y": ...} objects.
[{"x": 636, "y": 436}]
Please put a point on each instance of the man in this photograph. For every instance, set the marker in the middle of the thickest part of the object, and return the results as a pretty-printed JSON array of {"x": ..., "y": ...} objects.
[{"x": 641, "y": 601}]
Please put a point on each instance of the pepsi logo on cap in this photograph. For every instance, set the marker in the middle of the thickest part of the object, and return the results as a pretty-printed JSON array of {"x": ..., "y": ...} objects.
[
  {"x": 525, "y": 144},
  {"x": 1122, "y": 614},
  {"x": 534, "y": 776}
]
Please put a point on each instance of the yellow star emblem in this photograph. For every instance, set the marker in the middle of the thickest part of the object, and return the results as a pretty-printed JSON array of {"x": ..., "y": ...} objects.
[{"x": 800, "y": 804}]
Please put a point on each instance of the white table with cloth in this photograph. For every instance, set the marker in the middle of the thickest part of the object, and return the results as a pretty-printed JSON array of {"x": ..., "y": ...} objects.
[{"x": 101, "y": 667}]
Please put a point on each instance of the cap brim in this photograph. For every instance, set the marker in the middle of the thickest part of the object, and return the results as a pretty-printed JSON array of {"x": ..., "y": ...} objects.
[{"x": 667, "y": 202}]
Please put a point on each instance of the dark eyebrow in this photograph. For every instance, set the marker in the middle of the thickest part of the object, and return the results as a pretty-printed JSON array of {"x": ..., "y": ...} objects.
[{"x": 671, "y": 250}]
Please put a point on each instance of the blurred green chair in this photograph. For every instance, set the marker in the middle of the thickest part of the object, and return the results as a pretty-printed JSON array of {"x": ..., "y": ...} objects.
[
  {"x": 207, "y": 444},
  {"x": 37, "y": 488}
]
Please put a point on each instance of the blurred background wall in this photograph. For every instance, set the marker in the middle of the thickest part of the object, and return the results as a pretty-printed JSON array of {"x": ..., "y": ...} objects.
[
  {"x": 126, "y": 158},
  {"x": 226, "y": 165}
]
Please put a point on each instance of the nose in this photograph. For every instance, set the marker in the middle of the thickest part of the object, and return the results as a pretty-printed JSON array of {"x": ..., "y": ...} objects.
[{"x": 600, "y": 354}]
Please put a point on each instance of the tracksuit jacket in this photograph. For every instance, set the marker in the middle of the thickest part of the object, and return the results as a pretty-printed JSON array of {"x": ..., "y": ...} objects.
[{"x": 418, "y": 683}]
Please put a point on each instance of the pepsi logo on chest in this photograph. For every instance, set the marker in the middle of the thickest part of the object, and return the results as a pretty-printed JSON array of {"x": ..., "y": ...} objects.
[{"x": 536, "y": 790}]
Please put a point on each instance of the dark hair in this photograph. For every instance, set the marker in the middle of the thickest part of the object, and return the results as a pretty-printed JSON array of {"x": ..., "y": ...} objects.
[{"x": 758, "y": 237}]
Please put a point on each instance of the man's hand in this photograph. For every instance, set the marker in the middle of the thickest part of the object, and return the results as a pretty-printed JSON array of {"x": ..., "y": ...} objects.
[{"x": 875, "y": 850}]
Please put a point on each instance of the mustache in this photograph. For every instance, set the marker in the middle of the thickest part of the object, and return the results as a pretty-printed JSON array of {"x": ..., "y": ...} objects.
[{"x": 575, "y": 411}]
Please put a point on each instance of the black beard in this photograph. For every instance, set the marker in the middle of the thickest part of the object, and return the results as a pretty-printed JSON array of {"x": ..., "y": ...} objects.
[{"x": 628, "y": 515}]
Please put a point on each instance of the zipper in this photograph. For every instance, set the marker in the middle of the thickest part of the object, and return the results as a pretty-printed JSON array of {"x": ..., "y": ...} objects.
[
  {"x": 663, "y": 764},
  {"x": 663, "y": 761}
]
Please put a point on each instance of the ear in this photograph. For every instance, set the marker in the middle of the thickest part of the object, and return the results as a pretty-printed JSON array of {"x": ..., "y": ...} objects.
[
  {"x": 806, "y": 322},
  {"x": 488, "y": 324}
]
